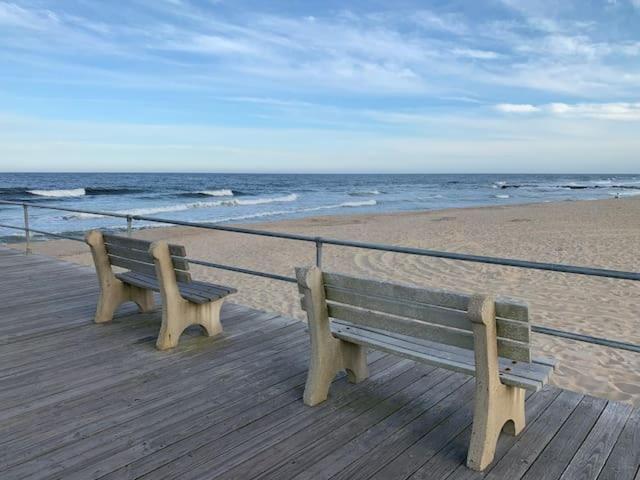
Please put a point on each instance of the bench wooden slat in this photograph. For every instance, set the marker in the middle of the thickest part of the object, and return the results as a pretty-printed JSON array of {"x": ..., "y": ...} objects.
[
  {"x": 538, "y": 370},
  {"x": 136, "y": 244},
  {"x": 435, "y": 314},
  {"x": 179, "y": 263},
  {"x": 460, "y": 338},
  {"x": 124, "y": 252},
  {"x": 196, "y": 292},
  {"x": 434, "y": 357},
  {"x": 505, "y": 308},
  {"x": 132, "y": 265},
  {"x": 145, "y": 268}
]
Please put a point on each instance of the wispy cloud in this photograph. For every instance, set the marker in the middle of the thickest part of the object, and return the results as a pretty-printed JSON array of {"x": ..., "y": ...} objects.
[
  {"x": 601, "y": 111},
  {"x": 517, "y": 108}
]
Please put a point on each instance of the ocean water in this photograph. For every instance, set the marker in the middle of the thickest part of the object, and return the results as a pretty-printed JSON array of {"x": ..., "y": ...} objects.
[{"x": 245, "y": 198}]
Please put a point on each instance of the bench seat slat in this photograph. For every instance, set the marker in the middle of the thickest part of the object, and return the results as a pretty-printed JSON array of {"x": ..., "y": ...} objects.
[
  {"x": 505, "y": 308},
  {"x": 515, "y": 330},
  {"x": 539, "y": 368},
  {"x": 518, "y": 375},
  {"x": 196, "y": 292},
  {"x": 460, "y": 338}
]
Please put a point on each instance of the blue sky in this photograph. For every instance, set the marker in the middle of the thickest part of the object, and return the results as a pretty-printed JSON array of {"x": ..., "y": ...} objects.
[{"x": 403, "y": 86}]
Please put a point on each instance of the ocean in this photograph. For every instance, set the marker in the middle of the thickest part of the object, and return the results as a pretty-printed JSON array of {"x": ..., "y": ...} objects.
[{"x": 245, "y": 198}]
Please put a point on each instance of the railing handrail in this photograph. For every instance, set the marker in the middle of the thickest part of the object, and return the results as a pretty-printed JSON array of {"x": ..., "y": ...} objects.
[
  {"x": 508, "y": 262},
  {"x": 320, "y": 241}
]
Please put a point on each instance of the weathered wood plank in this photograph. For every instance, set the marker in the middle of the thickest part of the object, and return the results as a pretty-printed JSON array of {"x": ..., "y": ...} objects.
[
  {"x": 558, "y": 453},
  {"x": 593, "y": 453},
  {"x": 523, "y": 375},
  {"x": 515, "y": 330},
  {"x": 179, "y": 263},
  {"x": 143, "y": 245},
  {"x": 624, "y": 460},
  {"x": 323, "y": 456},
  {"x": 505, "y": 308},
  {"x": 404, "y": 326}
]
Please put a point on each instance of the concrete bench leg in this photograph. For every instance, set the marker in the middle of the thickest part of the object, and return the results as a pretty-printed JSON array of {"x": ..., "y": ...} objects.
[
  {"x": 499, "y": 410},
  {"x": 178, "y": 314},
  {"x": 113, "y": 292},
  {"x": 117, "y": 293},
  {"x": 328, "y": 354},
  {"x": 354, "y": 361},
  {"x": 496, "y": 405}
]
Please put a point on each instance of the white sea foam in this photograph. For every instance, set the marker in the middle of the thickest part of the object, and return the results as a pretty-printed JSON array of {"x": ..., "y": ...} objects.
[
  {"x": 188, "y": 206},
  {"x": 363, "y": 203},
  {"x": 223, "y": 192},
  {"x": 501, "y": 196},
  {"x": 75, "y": 192},
  {"x": 359, "y": 193},
  {"x": 272, "y": 213},
  {"x": 259, "y": 201},
  {"x": 624, "y": 194}
]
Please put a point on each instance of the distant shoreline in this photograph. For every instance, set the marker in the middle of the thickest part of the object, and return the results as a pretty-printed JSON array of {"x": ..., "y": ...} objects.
[{"x": 265, "y": 225}]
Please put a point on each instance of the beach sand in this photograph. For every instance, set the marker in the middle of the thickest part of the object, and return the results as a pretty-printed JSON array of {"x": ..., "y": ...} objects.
[{"x": 604, "y": 233}]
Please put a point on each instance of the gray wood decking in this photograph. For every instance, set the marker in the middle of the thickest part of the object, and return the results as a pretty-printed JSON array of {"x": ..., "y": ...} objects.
[{"x": 84, "y": 401}]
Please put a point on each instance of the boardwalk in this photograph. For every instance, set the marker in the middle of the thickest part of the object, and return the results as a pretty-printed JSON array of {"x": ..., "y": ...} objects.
[{"x": 82, "y": 401}]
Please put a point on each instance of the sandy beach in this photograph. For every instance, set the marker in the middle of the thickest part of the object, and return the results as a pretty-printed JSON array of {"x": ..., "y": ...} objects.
[{"x": 603, "y": 233}]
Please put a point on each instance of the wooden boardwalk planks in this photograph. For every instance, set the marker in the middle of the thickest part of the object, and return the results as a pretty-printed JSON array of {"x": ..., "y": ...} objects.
[{"x": 86, "y": 401}]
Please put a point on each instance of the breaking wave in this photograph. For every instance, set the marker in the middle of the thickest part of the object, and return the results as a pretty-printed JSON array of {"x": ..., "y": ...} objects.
[
  {"x": 223, "y": 192},
  {"x": 187, "y": 206},
  {"x": 364, "y": 193},
  {"x": 74, "y": 192}
]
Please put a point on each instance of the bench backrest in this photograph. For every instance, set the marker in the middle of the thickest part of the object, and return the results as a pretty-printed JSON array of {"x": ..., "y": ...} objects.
[
  {"x": 133, "y": 254},
  {"x": 430, "y": 314}
]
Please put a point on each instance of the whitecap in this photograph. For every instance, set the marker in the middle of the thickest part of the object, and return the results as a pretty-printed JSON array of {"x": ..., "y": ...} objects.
[
  {"x": 260, "y": 201},
  {"x": 74, "y": 192},
  {"x": 360, "y": 193},
  {"x": 223, "y": 192}
]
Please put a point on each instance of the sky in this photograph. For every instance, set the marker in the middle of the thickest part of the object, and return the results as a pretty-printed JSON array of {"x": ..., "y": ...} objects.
[{"x": 320, "y": 86}]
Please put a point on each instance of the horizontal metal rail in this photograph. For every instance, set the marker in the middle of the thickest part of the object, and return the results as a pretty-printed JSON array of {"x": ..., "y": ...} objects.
[
  {"x": 507, "y": 262},
  {"x": 247, "y": 271},
  {"x": 320, "y": 241},
  {"x": 57, "y": 235},
  {"x": 632, "y": 347}
]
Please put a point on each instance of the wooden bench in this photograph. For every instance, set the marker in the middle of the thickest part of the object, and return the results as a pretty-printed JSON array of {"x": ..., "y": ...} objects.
[
  {"x": 476, "y": 335},
  {"x": 153, "y": 267}
]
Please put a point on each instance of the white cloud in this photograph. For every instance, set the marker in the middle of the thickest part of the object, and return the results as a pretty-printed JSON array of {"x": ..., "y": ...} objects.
[
  {"x": 13, "y": 15},
  {"x": 516, "y": 108},
  {"x": 440, "y": 22},
  {"x": 213, "y": 44},
  {"x": 474, "y": 53},
  {"x": 600, "y": 111}
]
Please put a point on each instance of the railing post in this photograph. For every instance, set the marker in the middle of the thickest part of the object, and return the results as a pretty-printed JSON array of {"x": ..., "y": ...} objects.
[
  {"x": 129, "y": 225},
  {"x": 27, "y": 233},
  {"x": 319, "y": 252}
]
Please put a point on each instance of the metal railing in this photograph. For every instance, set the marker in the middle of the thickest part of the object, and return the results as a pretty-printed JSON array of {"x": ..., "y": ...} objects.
[{"x": 320, "y": 241}]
